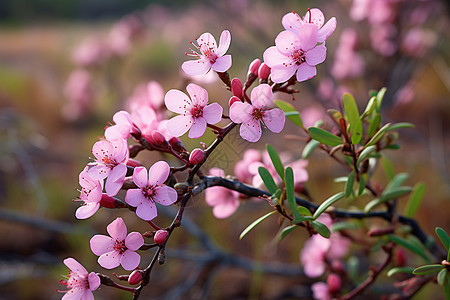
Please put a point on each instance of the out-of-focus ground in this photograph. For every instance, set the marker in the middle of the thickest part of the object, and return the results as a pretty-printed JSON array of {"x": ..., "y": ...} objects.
[{"x": 42, "y": 151}]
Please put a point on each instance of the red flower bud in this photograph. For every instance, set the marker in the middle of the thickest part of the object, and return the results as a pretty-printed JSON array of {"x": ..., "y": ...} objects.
[
  {"x": 134, "y": 150},
  {"x": 135, "y": 277},
  {"x": 254, "y": 66},
  {"x": 156, "y": 138},
  {"x": 263, "y": 72},
  {"x": 334, "y": 283},
  {"x": 236, "y": 88},
  {"x": 233, "y": 99},
  {"x": 108, "y": 201},
  {"x": 177, "y": 145},
  {"x": 197, "y": 156},
  {"x": 161, "y": 236},
  {"x": 133, "y": 163}
]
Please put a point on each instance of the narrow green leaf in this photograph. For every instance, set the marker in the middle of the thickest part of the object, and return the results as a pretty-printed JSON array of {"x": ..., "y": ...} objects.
[
  {"x": 309, "y": 148},
  {"x": 410, "y": 246},
  {"x": 324, "y": 136},
  {"x": 256, "y": 222},
  {"x": 302, "y": 219},
  {"x": 268, "y": 180},
  {"x": 374, "y": 123},
  {"x": 396, "y": 270},
  {"x": 380, "y": 96},
  {"x": 380, "y": 133},
  {"x": 321, "y": 229},
  {"x": 365, "y": 153},
  {"x": 304, "y": 211},
  {"x": 397, "y": 181},
  {"x": 415, "y": 199},
  {"x": 286, "y": 231},
  {"x": 290, "y": 112},
  {"x": 401, "y": 125},
  {"x": 344, "y": 225},
  {"x": 327, "y": 203},
  {"x": 349, "y": 185},
  {"x": 389, "y": 195},
  {"x": 362, "y": 185},
  {"x": 447, "y": 288},
  {"x": 276, "y": 161},
  {"x": 388, "y": 168},
  {"x": 290, "y": 193},
  {"x": 351, "y": 110},
  {"x": 443, "y": 236},
  {"x": 335, "y": 115},
  {"x": 369, "y": 107},
  {"x": 442, "y": 277},
  {"x": 423, "y": 270}
]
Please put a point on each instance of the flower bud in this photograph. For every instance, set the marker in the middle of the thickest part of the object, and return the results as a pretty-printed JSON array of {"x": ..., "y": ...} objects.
[
  {"x": 161, "y": 236},
  {"x": 236, "y": 88},
  {"x": 156, "y": 138},
  {"x": 135, "y": 132},
  {"x": 197, "y": 156},
  {"x": 233, "y": 99},
  {"x": 334, "y": 283},
  {"x": 133, "y": 163},
  {"x": 177, "y": 145},
  {"x": 263, "y": 72},
  {"x": 254, "y": 66},
  {"x": 108, "y": 201},
  {"x": 134, "y": 150},
  {"x": 135, "y": 277}
]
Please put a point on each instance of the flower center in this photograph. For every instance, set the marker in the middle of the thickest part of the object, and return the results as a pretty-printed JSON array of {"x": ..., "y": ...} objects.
[
  {"x": 120, "y": 246},
  {"x": 257, "y": 114},
  {"x": 208, "y": 52},
  {"x": 77, "y": 281},
  {"x": 196, "y": 111},
  {"x": 149, "y": 192},
  {"x": 298, "y": 56},
  {"x": 108, "y": 162}
]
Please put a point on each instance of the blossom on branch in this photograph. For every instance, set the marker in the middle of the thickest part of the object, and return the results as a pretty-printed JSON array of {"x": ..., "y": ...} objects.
[
  {"x": 79, "y": 282},
  {"x": 224, "y": 201},
  {"x": 250, "y": 115},
  {"x": 91, "y": 193},
  {"x": 119, "y": 248},
  {"x": 210, "y": 56}
]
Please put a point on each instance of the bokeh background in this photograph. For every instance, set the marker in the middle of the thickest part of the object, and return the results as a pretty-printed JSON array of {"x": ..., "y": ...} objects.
[{"x": 67, "y": 66}]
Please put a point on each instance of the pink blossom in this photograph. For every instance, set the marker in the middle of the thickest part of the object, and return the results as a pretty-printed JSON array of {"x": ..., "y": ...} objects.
[
  {"x": 295, "y": 52},
  {"x": 210, "y": 55},
  {"x": 110, "y": 163},
  {"x": 79, "y": 282},
  {"x": 224, "y": 201},
  {"x": 317, "y": 250},
  {"x": 293, "y": 22},
  {"x": 320, "y": 291},
  {"x": 122, "y": 128},
  {"x": 80, "y": 93},
  {"x": 92, "y": 51},
  {"x": 119, "y": 249},
  {"x": 347, "y": 62},
  {"x": 151, "y": 189},
  {"x": 241, "y": 168},
  {"x": 91, "y": 194},
  {"x": 194, "y": 111},
  {"x": 250, "y": 115},
  {"x": 149, "y": 94}
]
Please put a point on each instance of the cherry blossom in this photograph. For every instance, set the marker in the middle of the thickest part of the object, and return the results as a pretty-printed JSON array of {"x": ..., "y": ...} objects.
[
  {"x": 241, "y": 168},
  {"x": 151, "y": 189},
  {"x": 119, "y": 249},
  {"x": 194, "y": 111},
  {"x": 122, "y": 128},
  {"x": 110, "y": 163},
  {"x": 91, "y": 194},
  {"x": 79, "y": 282},
  {"x": 295, "y": 52},
  {"x": 210, "y": 55},
  {"x": 250, "y": 115},
  {"x": 149, "y": 94},
  {"x": 293, "y": 22},
  {"x": 224, "y": 201},
  {"x": 320, "y": 291}
]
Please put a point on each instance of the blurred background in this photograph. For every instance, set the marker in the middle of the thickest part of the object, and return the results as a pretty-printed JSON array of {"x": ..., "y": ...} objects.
[{"x": 67, "y": 66}]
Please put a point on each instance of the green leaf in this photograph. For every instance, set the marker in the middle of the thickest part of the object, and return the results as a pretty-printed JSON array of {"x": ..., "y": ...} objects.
[
  {"x": 369, "y": 107},
  {"x": 415, "y": 199},
  {"x": 300, "y": 219},
  {"x": 362, "y": 185},
  {"x": 388, "y": 168},
  {"x": 393, "y": 193},
  {"x": 290, "y": 112},
  {"x": 443, "y": 236},
  {"x": 327, "y": 203},
  {"x": 335, "y": 115},
  {"x": 290, "y": 193},
  {"x": 324, "y": 136},
  {"x": 349, "y": 185},
  {"x": 309, "y": 148},
  {"x": 321, "y": 229},
  {"x": 396, "y": 270},
  {"x": 304, "y": 211},
  {"x": 268, "y": 180},
  {"x": 447, "y": 288},
  {"x": 256, "y": 222},
  {"x": 380, "y": 133},
  {"x": 401, "y": 125},
  {"x": 276, "y": 161},
  {"x": 344, "y": 225},
  {"x": 442, "y": 277},
  {"x": 410, "y": 246},
  {"x": 423, "y": 270},
  {"x": 374, "y": 122},
  {"x": 397, "y": 181},
  {"x": 286, "y": 231},
  {"x": 380, "y": 96},
  {"x": 365, "y": 153},
  {"x": 351, "y": 110}
]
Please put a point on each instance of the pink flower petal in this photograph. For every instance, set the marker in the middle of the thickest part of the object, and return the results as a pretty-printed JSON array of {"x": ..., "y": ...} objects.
[
  {"x": 213, "y": 113},
  {"x": 120, "y": 147},
  {"x": 115, "y": 179},
  {"x": 75, "y": 266},
  {"x": 102, "y": 149},
  {"x": 198, "y": 128},
  {"x": 207, "y": 40},
  {"x": 316, "y": 55},
  {"x": 196, "y": 67},
  {"x": 308, "y": 36},
  {"x": 240, "y": 112},
  {"x": 140, "y": 177},
  {"x": 291, "y": 21},
  {"x": 274, "y": 119},
  {"x": 261, "y": 96},
  {"x": 130, "y": 260},
  {"x": 177, "y": 126},
  {"x": 327, "y": 30},
  {"x": 177, "y": 101},
  {"x": 166, "y": 195},
  {"x": 158, "y": 173},
  {"x": 198, "y": 94},
  {"x": 135, "y": 197},
  {"x": 314, "y": 16},
  {"x": 224, "y": 43},
  {"x": 134, "y": 241},
  {"x": 273, "y": 57},
  {"x": 94, "y": 281},
  {"x": 215, "y": 195},
  {"x": 222, "y": 63},
  {"x": 282, "y": 73},
  {"x": 146, "y": 210},
  {"x": 110, "y": 260},
  {"x": 117, "y": 229},
  {"x": 225, "y": 209},
  {"x": 320, "y": 291},
  {"x": 251, "y": 130},
  {"x": 287, "y": 42},
  {"x": 101, "y": 244},
  {"x": 77, "y": 294},
  {"x": 87, "y": 210},
  {"x": 305, "y": 72}
]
